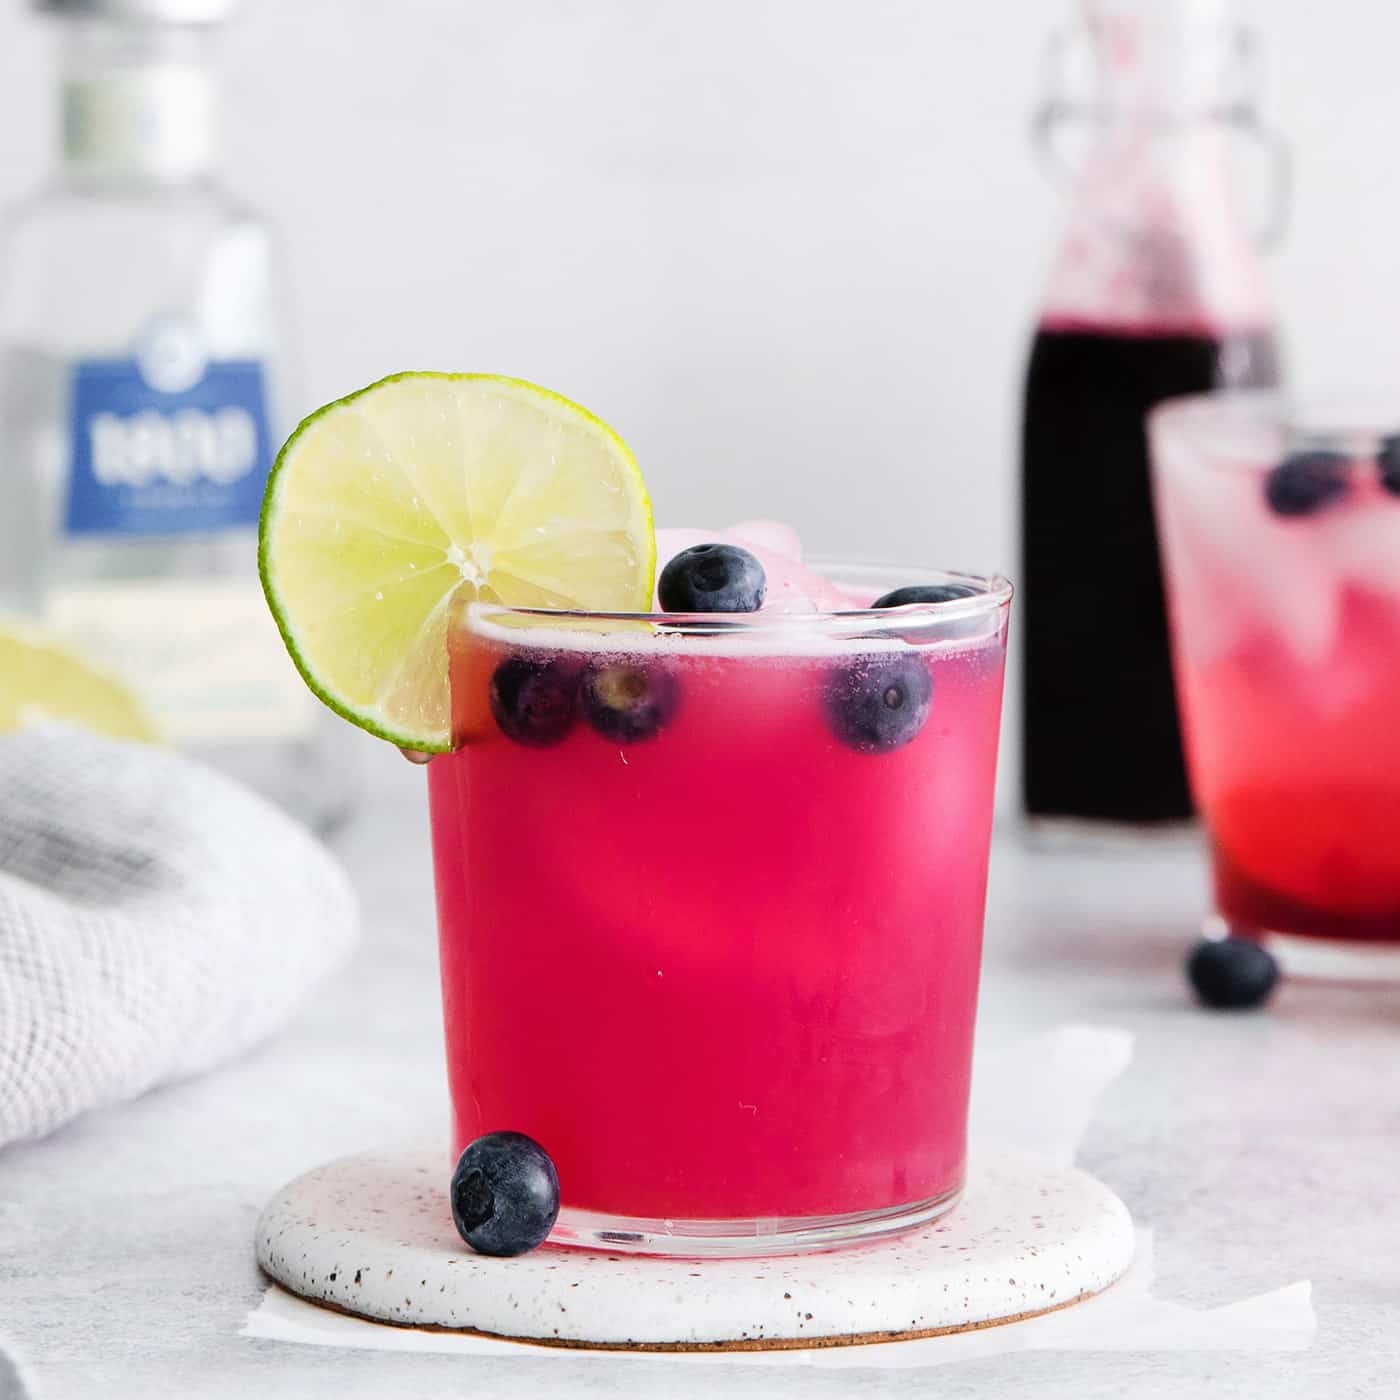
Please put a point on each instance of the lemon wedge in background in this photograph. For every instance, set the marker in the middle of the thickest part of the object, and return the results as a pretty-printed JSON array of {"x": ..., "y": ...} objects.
[
  {"x": 40, "y": 679},
  {"x": 387, "y": 505}
]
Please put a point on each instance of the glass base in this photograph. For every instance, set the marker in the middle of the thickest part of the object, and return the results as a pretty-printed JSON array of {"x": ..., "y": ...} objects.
[
  {"x": 742, "y": 1239},
  {"x": 1320, "y": 959}
]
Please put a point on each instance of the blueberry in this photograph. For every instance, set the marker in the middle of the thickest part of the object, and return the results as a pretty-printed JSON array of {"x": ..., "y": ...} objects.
[
  {"x": 712, "y": 578},
  {"x": 1305, "y": 482},
  {"x": 626, "y": 702},
  {"x": 505, "y": 1194},
  {"x": 1388, "y": 460},
  {"x": 879, "y": 703},
  {"x": 1232, "y": 972},
  {"x": 925, "y": 593},
  {"x": 535, "y": 701}
]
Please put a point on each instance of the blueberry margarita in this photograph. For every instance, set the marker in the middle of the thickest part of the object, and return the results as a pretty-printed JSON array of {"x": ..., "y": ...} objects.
[
  {"x": 711, "y": 893},
  {"x": 710, "y": 841}
]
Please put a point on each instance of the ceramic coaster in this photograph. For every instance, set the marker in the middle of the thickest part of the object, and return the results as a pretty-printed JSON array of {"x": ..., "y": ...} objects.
[{"x": 372, "y": 1235}]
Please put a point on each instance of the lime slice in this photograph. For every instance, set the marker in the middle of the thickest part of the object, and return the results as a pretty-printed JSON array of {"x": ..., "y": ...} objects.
[
  {"x": 388, "y": 506},
  {"x": 42, "y": 680}
]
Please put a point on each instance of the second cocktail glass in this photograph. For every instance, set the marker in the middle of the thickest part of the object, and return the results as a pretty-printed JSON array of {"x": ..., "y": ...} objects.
[
  {"x": 1282, "y": 545},
  {"x": 710, "y": 895}
]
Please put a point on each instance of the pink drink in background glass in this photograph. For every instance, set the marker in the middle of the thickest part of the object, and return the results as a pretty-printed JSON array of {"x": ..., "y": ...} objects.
[
  {"x": 1283, "y": 554},
  {"x": 725, "y": 973}
]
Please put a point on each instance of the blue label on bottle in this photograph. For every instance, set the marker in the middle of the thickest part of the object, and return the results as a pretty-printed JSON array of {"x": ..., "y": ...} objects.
[{"x": 176, "y": 459}]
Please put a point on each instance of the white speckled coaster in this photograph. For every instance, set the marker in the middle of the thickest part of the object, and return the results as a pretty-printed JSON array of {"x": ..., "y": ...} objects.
[{"x": 372, "y": 1235}]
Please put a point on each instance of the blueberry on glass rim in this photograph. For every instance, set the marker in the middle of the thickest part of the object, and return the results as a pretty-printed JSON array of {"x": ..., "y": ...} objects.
[
  {"x": 505, "y": 1194},
  {"x": 1305, "y": 482},
  {"x": 627, "y": 702},
  {"x": 712, "y": 578},
  {"x": 534, "y": 700},
  {"x": 925, "y": 593},
  {"x": 876, "y": 704},
  {"x": 1231, "y": 973}
]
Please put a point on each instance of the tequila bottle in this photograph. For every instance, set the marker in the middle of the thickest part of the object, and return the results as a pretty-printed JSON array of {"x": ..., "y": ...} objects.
[{"x": 143, "y": 393}]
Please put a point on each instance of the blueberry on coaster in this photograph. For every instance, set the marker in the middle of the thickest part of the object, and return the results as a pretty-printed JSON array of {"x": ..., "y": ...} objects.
[
  {"x": 712, "y": 578},
  {"x": 535, "y": 701},
  {"x": 505, "y": 1194},
  {"x": 1306, "y": 482},
  {"x": 1232, "y": 973},
  {"x": 877, "y": 704},
  {"x": 925, "y": 593},
  {"x": 626, "y": 702}
]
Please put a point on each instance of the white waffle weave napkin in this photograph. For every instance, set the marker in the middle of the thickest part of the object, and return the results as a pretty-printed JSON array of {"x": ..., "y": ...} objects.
[{"x": 156, "y": 919}]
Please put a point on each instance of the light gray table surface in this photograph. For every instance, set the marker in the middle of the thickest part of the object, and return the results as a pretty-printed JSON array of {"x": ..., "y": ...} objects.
[{"x": 1262, "y": 1149}]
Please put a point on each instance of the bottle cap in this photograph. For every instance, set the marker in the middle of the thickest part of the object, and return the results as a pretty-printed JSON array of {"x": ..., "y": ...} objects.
[{"x": 141, "y": 11}]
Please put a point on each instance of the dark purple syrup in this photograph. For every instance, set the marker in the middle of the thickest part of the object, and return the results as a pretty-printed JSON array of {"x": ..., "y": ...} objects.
[{"x": 1099, "y": 720}]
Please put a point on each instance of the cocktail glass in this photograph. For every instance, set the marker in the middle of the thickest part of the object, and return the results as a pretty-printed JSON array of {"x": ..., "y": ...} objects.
[
  {"x": 710, "y": 896},
  {"x": 1282, "y": 547}
]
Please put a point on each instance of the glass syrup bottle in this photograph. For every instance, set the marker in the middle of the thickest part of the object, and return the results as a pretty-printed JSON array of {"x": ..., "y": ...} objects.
[{"x": 1157, "y": 291}]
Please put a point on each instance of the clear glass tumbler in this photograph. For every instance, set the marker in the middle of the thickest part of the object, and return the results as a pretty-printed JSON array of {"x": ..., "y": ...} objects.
[
  {"x": 1282, "y": 543},
  {"x": 710, "y": 895}
]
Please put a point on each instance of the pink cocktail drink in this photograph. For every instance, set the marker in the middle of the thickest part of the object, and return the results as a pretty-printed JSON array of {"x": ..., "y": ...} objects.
[
  {"x": 1283, "y": 553},
  {"x": 710, "y": 895}
]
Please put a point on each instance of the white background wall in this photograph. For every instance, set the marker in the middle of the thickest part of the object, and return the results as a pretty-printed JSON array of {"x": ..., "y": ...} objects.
[{"x": 790, "y": 248}]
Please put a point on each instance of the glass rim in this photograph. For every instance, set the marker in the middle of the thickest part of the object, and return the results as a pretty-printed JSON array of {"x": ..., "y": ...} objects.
[
  {"x": 994, "y": 594},
  {"x": 1227, "y": 428}
]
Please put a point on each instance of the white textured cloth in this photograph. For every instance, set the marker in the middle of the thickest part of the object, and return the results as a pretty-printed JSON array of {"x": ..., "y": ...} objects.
[{"x": 156, "y": 918}]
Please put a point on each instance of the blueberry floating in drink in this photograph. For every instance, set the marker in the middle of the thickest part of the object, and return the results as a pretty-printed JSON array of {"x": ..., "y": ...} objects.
[
  {"x": 505, "y": 1194},
  {"x": 877, "y": 704},
  {"x": 712, "y": 578},
  {"x": 535, "y": 702},
  {"x": 1388, "y": 461},
  {"x": 1306, "y": 482},
  {"x": 627, "y": 702},
  {"x": 1232, "y": 973},
  {"x": 925, "y": 593}
]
